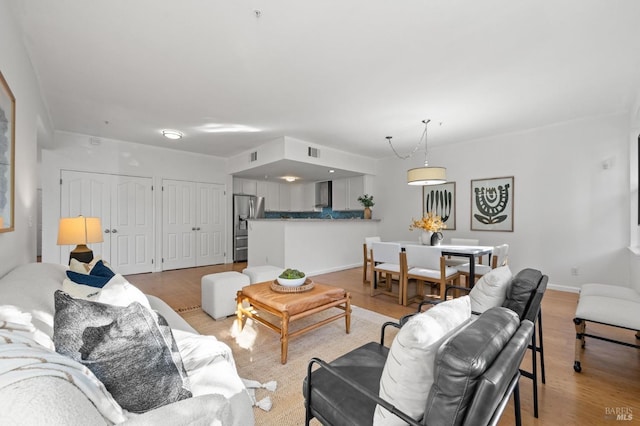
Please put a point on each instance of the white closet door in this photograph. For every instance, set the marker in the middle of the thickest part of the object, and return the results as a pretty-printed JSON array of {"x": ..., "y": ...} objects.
[
  {"x": 178, "y": 224},
  {"x": 86, "y": 194},
  {"x": 210, "y": 224},
  {"x": 131, "y": 224},
  {"x": 124, "y": 204}
]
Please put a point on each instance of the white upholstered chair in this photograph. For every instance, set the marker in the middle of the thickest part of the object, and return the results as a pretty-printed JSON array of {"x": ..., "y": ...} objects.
[
  {"x": 385, "y": 261},
  {"x": 426, "y": 265},
  {"x": 499, "y": 257},
  {"x": 366, "y": 256}
]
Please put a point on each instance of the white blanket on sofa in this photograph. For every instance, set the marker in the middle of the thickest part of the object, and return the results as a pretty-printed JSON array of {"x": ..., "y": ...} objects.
[{"x": 24, "y": 358}]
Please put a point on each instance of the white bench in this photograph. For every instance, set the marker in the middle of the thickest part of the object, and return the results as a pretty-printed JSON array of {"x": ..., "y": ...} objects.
[{"x": 609, "y": 305}]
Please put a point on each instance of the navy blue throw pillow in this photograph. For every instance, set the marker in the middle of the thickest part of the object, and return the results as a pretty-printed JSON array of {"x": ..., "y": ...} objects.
[
  {"x": 90, "y": 280},
  {"x": 101, "y": 270}
]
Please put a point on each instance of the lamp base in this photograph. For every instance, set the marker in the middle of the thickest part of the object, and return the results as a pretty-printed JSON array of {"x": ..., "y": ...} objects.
[{"x": 81, "y": 253}]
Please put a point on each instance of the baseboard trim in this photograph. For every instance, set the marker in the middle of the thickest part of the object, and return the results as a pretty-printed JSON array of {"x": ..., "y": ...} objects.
[{"x": 564, "y": 288}]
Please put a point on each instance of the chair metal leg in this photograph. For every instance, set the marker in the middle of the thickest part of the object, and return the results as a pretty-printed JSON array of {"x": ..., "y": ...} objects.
[
  {"x": 516, "y": 404},
  {"x": 541, "y": 347},
  {"x": 534, "y": 374}
]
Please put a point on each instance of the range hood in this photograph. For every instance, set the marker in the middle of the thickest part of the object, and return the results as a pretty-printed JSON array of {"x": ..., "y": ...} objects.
[{"x": 323, "y": 194}]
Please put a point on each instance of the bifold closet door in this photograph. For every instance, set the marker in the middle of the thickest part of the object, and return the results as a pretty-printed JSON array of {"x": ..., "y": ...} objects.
[
  {"x": 178, "y": 224},
  {"x": 87, "y": 194},
  {"x": 124, "y": 205},
  {"x": 192, "y": 224}
]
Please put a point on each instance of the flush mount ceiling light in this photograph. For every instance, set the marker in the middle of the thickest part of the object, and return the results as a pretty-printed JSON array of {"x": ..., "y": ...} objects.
[
  {"x": 289, "y": 178},
  {"x": 422, "y": 175},
  {"x": 172, "y": 134}
]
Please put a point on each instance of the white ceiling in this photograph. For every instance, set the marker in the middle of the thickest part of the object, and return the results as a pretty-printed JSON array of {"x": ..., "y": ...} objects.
[{"x": 342, "y": 74}]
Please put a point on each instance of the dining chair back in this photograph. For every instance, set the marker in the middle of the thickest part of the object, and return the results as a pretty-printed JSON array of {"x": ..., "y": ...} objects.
[
  {"x": 366, "y": 256},
  {"x": 425, "y": 264},
  {"x": 500, "y": 256},
  {"x": 385, "y": 260}
]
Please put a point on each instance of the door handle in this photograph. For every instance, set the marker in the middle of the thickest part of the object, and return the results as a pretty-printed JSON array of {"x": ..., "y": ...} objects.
[
  {"x": 198, "y": 228},
  {"x": 107, "y": 231},
  {"x": 193, "y": 229},
  {"x": 114, "y": 231}
]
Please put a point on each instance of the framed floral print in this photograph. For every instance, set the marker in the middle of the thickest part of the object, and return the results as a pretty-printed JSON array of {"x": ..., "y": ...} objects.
[
  {"x": 441, "y": 200},
  {"x": 492, "y": 204}
]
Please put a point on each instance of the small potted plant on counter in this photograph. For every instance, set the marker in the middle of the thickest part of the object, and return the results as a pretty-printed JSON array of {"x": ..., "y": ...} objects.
[{"x": 367, "y": 202}]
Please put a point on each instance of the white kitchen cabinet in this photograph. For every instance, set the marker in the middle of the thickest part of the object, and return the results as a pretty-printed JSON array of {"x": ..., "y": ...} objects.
[
  {"x": 303, "y": 197},
  {"x": 345, "y": 193},
  {"x": 285, "y": 197},
  {"x": 339, "y": 194},
  {"x": 244, "y": 186},
  {"x": 272, "y": 199}
]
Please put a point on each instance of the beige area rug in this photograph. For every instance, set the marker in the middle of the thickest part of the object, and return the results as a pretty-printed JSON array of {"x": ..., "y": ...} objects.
[{"x": 257, "y": 354}]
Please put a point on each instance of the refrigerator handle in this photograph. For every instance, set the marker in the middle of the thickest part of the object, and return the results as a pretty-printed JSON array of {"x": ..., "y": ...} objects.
[{"x": 251, "y": 208}]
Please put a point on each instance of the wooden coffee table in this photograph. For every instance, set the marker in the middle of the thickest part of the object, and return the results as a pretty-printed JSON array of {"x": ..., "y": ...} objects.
[{"x": 291, "y": 307}]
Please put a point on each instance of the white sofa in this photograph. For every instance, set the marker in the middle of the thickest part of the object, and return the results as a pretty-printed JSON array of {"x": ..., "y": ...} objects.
[{"x": 47, "y": 399}]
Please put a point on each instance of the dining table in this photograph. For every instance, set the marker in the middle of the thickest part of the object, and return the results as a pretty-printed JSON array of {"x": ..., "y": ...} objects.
[{"x": 470, "y": 252}]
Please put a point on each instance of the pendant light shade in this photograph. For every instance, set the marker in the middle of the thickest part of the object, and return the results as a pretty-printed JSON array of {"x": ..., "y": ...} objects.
[{"x": 427, "y": 176}]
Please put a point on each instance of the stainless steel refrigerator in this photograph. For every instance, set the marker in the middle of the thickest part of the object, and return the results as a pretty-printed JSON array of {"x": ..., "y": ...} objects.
[{"x": 244, "y": 207}]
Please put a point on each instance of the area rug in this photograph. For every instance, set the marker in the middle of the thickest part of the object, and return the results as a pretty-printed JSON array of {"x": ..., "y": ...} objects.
[{"x": 257, "y": 354}]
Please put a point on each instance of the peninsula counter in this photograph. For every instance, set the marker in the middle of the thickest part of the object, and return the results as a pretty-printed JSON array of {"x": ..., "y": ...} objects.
[{"x": 314, "y": 246}]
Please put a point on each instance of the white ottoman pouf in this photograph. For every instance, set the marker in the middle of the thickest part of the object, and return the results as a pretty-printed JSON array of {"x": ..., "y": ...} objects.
[
  {"x": 260, "y": 274},
  {"x": 219, "y": 293}
]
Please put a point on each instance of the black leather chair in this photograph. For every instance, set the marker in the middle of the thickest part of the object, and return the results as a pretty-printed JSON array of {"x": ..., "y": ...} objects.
[
  {"x": 473, "y": 382},
  {"x": 525, "y": 299}
]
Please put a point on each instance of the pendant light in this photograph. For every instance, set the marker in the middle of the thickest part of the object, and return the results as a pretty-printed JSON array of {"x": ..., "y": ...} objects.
[{"x": 422, "y": 175}]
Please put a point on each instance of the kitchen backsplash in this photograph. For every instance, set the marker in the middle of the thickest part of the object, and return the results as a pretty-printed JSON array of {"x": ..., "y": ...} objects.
[{"x": 326, "y": 213}]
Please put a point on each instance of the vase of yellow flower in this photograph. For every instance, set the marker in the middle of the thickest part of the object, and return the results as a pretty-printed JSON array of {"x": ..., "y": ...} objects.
[{"x": 430, "y": 225}]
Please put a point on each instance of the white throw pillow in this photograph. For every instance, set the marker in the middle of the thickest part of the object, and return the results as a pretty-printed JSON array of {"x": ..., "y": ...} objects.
[
  {"x": 407, "y": 376},
  {"x": 491, "y": 289},
  {"x": 118, "y": 291}
]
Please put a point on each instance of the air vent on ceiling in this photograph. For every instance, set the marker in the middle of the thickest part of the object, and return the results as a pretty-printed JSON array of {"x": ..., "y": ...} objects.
[
  {"x": 314, "y": 152},
  {"x": 253, "y": 156}
]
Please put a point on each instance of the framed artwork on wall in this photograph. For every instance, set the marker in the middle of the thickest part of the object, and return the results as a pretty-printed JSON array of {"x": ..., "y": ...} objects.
[
  {"x": 441, "y": 200},
  {"x": 7, "y": 155},
  {"x": 492, "y": 204}
]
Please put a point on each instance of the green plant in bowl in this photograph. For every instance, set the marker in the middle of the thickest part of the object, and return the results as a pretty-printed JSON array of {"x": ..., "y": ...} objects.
[{"x": 291, "y": 278}]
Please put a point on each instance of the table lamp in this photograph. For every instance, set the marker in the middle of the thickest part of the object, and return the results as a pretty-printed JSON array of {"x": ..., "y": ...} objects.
[{"x": 80, "y": 231}]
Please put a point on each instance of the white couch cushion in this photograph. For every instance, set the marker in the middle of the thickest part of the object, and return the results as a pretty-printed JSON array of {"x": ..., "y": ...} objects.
[
  {"x": 407, "y": 376},
  {"x": 491, "y": 289}
]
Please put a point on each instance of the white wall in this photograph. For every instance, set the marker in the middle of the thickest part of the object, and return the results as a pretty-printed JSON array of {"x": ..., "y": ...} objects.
[
  {"x": 32, "y": 123},
  {"x": 76, "y": 152},
  {"x": 569, "y": 210}
]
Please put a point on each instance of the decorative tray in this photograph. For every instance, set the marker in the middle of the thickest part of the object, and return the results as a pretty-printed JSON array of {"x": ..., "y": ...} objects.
[{"x": 306, "y": 286}]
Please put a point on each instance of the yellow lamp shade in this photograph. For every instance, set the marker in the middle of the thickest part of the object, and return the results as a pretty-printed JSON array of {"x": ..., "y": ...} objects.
[{"x": 79, "y": 230}]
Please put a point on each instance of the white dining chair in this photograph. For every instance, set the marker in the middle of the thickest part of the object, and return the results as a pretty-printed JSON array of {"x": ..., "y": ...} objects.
[
  {"x": 366, "y": 256},
  {"x": 385, "y": 260},
  {"x": 426, "y": 264},
  {"x": 457, "y": 261},
  {"x": 499, "y": 257}
]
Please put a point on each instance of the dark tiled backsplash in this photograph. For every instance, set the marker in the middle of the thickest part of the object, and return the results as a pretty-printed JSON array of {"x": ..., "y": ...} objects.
[{"x": 324, "y": 214}]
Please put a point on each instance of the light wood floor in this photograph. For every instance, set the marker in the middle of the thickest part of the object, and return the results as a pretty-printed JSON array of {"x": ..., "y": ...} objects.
[{"x": 608, "y": 384}]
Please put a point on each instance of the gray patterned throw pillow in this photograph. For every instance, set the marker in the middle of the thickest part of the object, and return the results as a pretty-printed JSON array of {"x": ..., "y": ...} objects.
[{"x": 126, "y": 349}]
